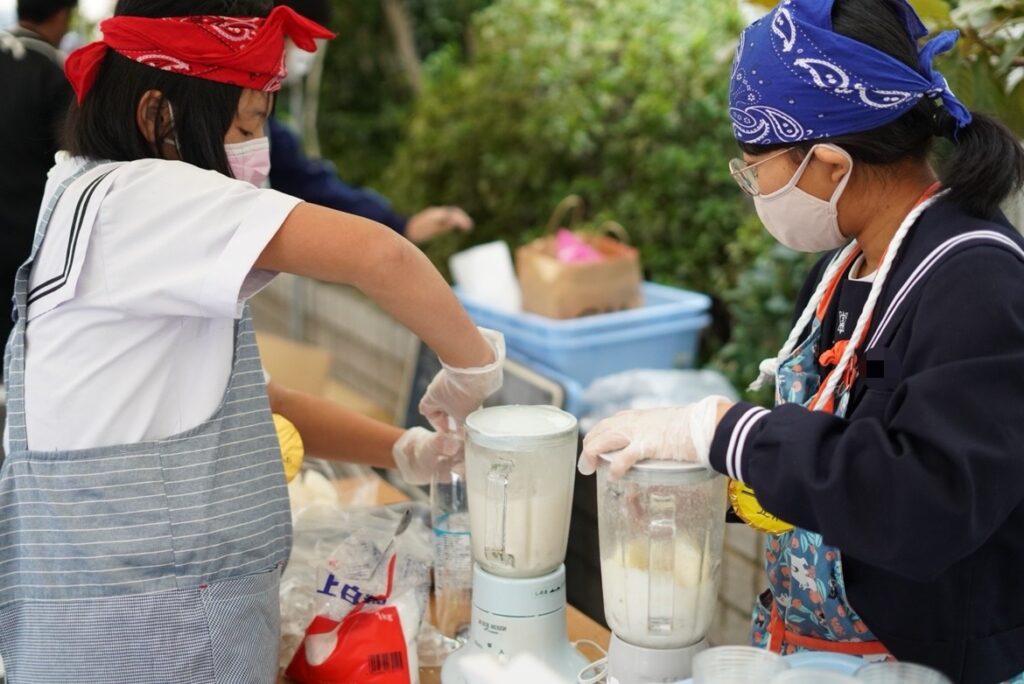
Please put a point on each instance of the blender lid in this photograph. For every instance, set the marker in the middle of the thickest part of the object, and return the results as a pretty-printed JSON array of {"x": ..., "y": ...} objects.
[
  {"x": 660, "y": 465},
  {"x": 517, "y": 427}
]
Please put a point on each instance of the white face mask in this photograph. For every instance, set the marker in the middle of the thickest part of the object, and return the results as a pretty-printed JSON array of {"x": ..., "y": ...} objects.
[
  {"x": 250, "y": 160},
  {"x": 799, "y": 220}
]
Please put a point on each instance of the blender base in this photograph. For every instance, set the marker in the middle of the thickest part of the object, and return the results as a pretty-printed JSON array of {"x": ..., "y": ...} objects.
[
  {"x": 629, "y": 664},
  {"x": 513, "y": 617}
]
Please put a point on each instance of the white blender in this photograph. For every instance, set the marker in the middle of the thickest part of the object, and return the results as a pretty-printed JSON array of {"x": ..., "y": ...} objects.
[
  {"x": 520, "y": 469},
  {"x": 661, "y": 529}
]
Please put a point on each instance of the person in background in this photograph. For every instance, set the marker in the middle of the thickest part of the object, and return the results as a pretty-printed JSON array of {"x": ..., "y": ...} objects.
[
  {"x": 890, "y": 473},
  {"x": 145, "y": 512},
  {"x": 35, "y": 95},
  {"x": 317, "y": 181}
]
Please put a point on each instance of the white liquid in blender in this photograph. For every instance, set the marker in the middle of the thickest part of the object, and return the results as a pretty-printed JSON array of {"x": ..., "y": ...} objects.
[
  {"x": 536, "y": 531},
  {"x": 523, "y": 421},
  {"x": 520, "y": 484},
  {"x": 680, "y": 611}
]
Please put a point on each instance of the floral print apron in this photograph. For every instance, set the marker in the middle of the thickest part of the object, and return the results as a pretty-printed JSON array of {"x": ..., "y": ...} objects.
[{"x": 806, "y": 607}]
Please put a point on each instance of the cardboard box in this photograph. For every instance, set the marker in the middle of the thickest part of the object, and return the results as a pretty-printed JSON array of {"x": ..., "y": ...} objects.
[
  {"x": 560, "y": 290},
  {"x": 296, "y": 365}
]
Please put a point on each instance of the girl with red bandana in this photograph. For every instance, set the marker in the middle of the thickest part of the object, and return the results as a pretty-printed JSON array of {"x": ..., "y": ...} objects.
[{"x": 145, "y": 516}]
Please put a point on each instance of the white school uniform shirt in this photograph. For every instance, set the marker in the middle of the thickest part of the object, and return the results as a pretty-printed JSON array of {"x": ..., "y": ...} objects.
[{"x": 134, "y": 297}]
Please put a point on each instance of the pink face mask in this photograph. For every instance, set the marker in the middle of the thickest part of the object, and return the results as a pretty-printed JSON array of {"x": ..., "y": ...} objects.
[{"x": 250, "y": 161}]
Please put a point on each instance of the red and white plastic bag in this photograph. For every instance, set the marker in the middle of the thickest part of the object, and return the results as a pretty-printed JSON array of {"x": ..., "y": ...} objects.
[{"x": 368, "y": 611}]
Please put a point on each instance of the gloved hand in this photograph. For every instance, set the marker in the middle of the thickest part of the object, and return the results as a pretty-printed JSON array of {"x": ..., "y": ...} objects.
[
  {"x": 679, "y": 434},
  {"x": 456, "y": 392},
  {"x": 418, "y": 451}
]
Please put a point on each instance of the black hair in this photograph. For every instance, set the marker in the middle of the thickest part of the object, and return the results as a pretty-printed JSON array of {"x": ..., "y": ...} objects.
[
  {"x": 317, "y": 10},
  {"x": 104, "y": 126},
  {"x": 39, "y": 11},
  {"x": 986, "y": 161}
]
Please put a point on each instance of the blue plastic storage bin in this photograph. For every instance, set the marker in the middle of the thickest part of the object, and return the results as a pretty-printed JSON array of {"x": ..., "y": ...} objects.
[{"x": 664, "y": 333}]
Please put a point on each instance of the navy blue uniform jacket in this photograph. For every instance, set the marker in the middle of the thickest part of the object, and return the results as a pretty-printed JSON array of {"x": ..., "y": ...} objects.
[
  {"x": 316, "y": 181},
  {"x": 922, "y": 486}
]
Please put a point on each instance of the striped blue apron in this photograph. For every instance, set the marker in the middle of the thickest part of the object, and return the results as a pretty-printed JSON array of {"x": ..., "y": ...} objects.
[{"x": 150, "y": 562}]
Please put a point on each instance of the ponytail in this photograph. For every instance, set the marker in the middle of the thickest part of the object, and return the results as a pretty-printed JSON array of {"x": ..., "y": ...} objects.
[{"x": 986, "y": 165}]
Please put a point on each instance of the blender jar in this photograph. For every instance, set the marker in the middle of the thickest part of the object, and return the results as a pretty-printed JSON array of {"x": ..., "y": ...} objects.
[
  {"x": 661, "y": 529},
  {"x": 520, "y": 470}
]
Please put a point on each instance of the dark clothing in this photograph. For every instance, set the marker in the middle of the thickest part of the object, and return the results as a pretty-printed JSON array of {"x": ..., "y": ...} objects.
[
  {"x": 841, "y": 318},
  {"x": 922, "y": 486},
  {"x": 35, "y": 96},
  {"x": 316, "y": 181}
]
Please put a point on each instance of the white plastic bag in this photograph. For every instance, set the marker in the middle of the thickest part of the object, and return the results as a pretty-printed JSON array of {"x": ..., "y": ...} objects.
[
  {"x": 642, "y": 389},
  {"x": 329, "y": 482},
  {"x": 350, "y": 613}
]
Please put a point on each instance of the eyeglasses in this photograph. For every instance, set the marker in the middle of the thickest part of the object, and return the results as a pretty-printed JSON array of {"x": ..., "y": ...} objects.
[{"x": 746, "y": 174}]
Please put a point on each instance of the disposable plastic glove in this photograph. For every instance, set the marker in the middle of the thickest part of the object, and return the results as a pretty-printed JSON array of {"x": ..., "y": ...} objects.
[
  {"x": 418, "y": 451},
  {"x": 675, "y": 434},
  {"x": 456, "y": 392}
]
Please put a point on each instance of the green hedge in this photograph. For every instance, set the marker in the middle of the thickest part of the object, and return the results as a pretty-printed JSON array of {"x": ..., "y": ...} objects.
[
  {"x": 623, "y": 102},
  {"x": 760, "y": 303},
  {"x": 366, "y": 99}
]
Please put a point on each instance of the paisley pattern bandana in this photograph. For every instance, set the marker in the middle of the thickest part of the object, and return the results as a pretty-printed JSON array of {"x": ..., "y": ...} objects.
[
  {"x": 241, "y": 51},
  {"x": 795, "y": 79}
]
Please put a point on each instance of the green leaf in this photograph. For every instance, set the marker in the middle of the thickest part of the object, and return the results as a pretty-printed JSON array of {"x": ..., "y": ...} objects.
[
  {"x": 934, "y": 13},
  {"x": 1011, "y": 51}
]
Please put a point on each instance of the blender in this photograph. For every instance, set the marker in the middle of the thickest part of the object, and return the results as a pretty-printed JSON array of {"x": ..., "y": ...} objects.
[
  {"x": 520, "y": 470},
  {"x": 661, "y": 529}
]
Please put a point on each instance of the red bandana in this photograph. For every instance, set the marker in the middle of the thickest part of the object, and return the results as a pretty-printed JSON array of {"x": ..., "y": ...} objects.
[{"x": 241, "y": 51}]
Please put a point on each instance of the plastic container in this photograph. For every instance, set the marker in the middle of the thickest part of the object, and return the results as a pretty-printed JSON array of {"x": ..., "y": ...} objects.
[
  {"x": 664, "y": 333},
  {"x": 820, "y": 660},
  {"x": 813, "y": 676},
  {"x": 900, "y": 673},
  {"x": 736, "y": 665}
]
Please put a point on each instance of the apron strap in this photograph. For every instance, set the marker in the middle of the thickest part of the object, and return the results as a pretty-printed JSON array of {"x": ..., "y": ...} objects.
[
  {"x": 827, "y": 395},
  {"x": 14, "y": 353}
]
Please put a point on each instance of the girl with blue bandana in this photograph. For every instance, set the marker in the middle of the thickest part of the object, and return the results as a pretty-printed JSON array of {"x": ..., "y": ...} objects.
[{"x": 890, "y": 474}]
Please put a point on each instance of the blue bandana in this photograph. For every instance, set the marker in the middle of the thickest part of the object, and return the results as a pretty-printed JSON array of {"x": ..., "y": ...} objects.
[{"x": 794, "y": 79}]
